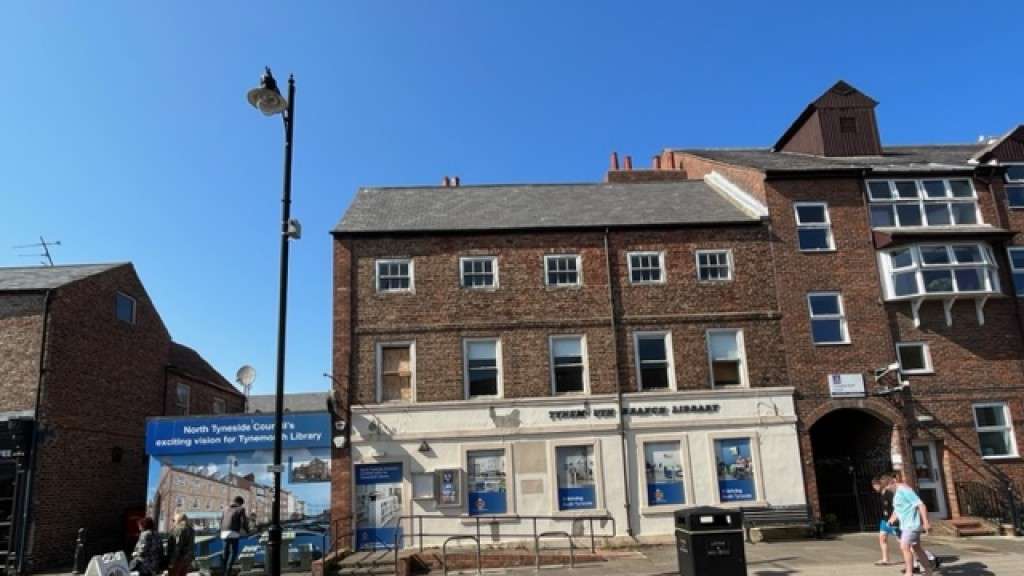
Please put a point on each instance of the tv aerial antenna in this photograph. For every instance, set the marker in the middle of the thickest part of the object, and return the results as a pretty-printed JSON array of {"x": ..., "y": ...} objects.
[{"x": 41, "y": 244}]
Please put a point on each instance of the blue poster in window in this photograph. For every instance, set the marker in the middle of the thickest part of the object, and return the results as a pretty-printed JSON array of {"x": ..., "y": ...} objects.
[
  {"x": 735, "y": 470},
  {"x": 487, "y": 492},
  {"x": 664, "y": 474},
  {"x": 575, "y": 467},
  {"x": 378, "y": 505}
]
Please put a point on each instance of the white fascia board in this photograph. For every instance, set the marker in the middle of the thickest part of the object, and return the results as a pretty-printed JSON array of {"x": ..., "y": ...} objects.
[{"x": 735, "y": 194}]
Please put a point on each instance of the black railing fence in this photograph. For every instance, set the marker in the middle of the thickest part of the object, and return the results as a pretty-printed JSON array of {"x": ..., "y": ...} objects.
[{"x": 1001, "y": 503}]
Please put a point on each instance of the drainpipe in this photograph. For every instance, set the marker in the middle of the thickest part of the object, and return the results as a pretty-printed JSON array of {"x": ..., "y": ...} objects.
[
  {"x": 618, "y": 390},
  {"x": 26, "y": 507}
]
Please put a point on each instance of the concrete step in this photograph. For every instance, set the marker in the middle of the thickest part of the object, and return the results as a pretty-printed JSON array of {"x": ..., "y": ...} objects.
[
  {"x": 966, "y": 526},
  {"x": 366, "y": 570}
]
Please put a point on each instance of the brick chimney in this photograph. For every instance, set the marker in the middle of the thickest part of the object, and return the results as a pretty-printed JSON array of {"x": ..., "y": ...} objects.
[{"x": 663, "y": 169}]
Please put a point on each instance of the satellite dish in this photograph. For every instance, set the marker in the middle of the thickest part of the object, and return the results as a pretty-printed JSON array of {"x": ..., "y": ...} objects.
[{"x": 246, "y": 376}]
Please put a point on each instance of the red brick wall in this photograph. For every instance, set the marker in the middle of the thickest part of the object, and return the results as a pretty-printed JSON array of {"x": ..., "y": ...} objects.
[
  {"x": 21, "y": 332},
  {"x": 103, "y": 379},
  {"x": 202, "y": 395}
]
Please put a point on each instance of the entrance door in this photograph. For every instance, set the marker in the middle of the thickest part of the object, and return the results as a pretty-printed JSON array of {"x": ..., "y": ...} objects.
[
  {"x": 929, "y": 481},
  {"x": 378, "y": 505}
]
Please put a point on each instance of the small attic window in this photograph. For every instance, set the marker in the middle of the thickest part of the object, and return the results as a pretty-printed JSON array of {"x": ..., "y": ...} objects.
[
  {"x": 125, "y": 308},
  {"x": 847, "y": 125}
]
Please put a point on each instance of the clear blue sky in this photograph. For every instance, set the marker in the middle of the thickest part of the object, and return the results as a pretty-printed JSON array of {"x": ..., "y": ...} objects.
[{"x": 126, "y": 134}]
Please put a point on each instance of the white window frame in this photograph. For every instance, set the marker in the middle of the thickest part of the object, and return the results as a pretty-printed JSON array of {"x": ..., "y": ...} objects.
[
  {"x": 1018, "y": 288},
  {"x": 1013, "y": 183},
  {"x": 927, "y": 353},
  {"x": 689, "y": 498},
  {"x": 412, "y": 275},
  {"x": 989, "y": 267},
  {"x": 669, "y": 356},
  {"x": 185, "y": 410},
  {"x": 844, "y": 325},
  {"x": 826, "y": 225},
  {"x": 379, "y": 358},
  {"x": 922, "y": 200},
  {"x": 661, "y": 266},
  {"x": 134, "y": 303},
  {"x": 579, "y": 270},
  {"x": 728, "y": 264},
  {"x": 1008, "y": 417},
  {"x": 585, "y": 360},
  {"x": 498, "y": 359},
  {"x": 740, "y": 346},
  {"x": 599, "y": 501},
  {"x": 462, "y": 271}
]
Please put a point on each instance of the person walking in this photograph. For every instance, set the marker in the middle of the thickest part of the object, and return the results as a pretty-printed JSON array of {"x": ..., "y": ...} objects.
[
  {"x": 183, "y": 548},
  {"x": 885, "y": 529},
  {"x": 912, "y": 515},
  {"x": 148, "y": 550},
  {"x": 234, "y": 522}
]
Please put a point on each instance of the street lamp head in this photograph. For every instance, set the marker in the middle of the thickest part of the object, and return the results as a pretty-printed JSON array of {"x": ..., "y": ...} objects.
[{"x": 267, "y": 98}]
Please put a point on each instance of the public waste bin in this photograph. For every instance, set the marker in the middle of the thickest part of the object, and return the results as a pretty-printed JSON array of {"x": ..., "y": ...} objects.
[{"x": 709, "y": 542}]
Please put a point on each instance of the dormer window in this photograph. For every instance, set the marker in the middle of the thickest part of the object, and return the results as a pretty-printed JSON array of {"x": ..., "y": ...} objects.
[
  {"x": 915, "y": 203},
  {"x": 945, "y": 272}
]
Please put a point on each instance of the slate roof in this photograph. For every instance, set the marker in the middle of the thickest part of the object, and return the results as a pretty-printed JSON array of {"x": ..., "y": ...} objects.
[
  {"x": 934, "y": 158},
  {"x": 302, "y": 402},
  {"x": 535, "y": 206},
  {"x": 186, "y": 360},
  {"x": 48, "y": 277}
]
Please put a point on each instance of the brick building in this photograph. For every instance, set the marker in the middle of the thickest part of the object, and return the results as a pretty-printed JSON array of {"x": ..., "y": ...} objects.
[
  {"x": 743, "y": 327},
  {"x": 84, "y": 360}
]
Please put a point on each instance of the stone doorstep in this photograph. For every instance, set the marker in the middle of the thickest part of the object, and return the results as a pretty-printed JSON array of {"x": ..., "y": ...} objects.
[{"x": 760, "y": 534}]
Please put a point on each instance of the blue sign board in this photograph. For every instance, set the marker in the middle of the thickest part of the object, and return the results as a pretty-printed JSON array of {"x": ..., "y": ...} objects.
[
  {"x": 378, "y": 505},
  {"x": 233, "y": 433},
  {"x": 664, "y": 493},
  {"x": 576, "y": 498},
  {"x": 486, "y": 503}
]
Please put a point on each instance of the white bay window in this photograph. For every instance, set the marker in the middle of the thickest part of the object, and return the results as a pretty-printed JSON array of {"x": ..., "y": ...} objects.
[{"x": 945, "y": 272}]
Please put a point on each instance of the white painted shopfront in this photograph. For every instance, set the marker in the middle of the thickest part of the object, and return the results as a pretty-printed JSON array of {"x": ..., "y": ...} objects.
[{"x": 563, "y": 456}]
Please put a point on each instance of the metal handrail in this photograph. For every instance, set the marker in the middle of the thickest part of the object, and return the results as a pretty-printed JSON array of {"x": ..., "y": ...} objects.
[
  {"x": 536, "y": 548},
  {"x": 415, "y": 519},
  {"x": 444, "y": 554}
]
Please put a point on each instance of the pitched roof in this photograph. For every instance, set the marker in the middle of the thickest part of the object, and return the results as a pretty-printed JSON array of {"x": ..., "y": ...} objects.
[
  {"x": 533, "y": 206},
  {"x": 49, "y": 277},
  {"x": 188, "y": 361},
  {"x": 302, "y": 402},
  {"x": 1014, "y": 137},
  {"x": 933, "y": 158},
  {"x": 840, "y": 95}
]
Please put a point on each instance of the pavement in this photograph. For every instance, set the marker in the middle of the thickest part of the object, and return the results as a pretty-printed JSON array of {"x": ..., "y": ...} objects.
[{"x": 846, "y": 555}]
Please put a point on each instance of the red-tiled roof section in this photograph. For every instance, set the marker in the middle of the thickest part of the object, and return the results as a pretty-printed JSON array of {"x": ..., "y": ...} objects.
[{"x": 188, "y": 361}]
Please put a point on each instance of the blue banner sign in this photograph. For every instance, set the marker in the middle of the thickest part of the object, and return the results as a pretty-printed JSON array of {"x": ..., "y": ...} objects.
[
  {"x": 378, "y": 505},
  {"x": 486, "y": 503},
  {"x": 665, "y": 493},
  {"x": 233, "y": 433},
  {"x": 580, "y": 497}
]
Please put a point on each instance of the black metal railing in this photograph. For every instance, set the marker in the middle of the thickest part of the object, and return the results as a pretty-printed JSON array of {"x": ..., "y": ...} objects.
[{"x": 1000, "y": 504}]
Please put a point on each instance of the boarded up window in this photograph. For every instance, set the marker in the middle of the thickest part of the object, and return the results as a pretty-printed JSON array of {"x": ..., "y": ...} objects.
[{"x": 396, "y": 375}]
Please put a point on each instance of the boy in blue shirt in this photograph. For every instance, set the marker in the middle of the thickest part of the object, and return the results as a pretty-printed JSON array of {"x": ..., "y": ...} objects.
[{"x": 912, "y": 515}]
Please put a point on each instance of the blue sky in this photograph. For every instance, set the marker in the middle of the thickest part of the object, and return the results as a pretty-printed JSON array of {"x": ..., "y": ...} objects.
[{"x": 126, "y": 134}]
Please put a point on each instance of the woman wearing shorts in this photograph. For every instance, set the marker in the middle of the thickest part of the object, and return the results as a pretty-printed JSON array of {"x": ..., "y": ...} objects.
[{"x": 885, "y": 529}]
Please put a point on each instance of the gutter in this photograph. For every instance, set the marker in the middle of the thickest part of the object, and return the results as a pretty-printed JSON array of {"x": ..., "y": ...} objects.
[
  {"x": 26, "y": 508},
  {"x": 621, "y": 428}
]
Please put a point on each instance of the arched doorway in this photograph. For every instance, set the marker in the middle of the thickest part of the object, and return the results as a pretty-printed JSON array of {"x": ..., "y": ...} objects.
[{"x": 850, "y": 447}]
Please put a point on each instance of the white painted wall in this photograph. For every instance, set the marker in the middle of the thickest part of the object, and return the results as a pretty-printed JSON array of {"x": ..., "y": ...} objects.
[{"x": 394, "y": 433}]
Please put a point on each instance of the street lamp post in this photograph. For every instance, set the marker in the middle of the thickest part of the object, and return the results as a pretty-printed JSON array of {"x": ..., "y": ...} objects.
[{"x": 268, "y": 100}]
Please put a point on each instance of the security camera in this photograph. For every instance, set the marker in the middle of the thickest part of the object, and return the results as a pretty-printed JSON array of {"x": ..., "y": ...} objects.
[
  {"x": 881, "y": 372},
  {"x": 339, "y": 442}
]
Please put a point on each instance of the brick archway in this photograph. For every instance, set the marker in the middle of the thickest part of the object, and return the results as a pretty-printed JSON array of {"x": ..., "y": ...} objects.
[{"x": 877, "y": 407}]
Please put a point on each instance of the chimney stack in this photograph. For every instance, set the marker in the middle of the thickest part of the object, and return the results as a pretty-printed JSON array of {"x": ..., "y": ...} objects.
[
  {"x": 614, "y": 163},
  {"x": 446, "y": 182},
  {"x": 627, "y": 163},
  {"x": 656, "y": 162},
  {"x": 455, "y": 181}
]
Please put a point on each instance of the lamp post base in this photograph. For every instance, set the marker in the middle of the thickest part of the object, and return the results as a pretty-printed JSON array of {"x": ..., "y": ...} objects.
[{"x": 274, "y": 551}]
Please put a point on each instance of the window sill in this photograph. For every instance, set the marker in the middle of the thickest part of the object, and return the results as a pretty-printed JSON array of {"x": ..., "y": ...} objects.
[
  {"x": 847, "y": 343},
  {"x": 468, "y": 520},
  {"x": 817, "y": 251},
  {"x": 714, "y": 282},
  {"x": 664, "y": 509},
  {"x": 661, "y": 283},
  {"x": 1007, "y": 458},
  {"x": 919, "y": 373},
  {"x": 581, "y": 512}
]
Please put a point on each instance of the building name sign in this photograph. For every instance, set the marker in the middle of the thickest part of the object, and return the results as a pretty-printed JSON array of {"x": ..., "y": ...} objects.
[
  {"x": 584, "y": 413},
  {"x": 846, "y": 385}
]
